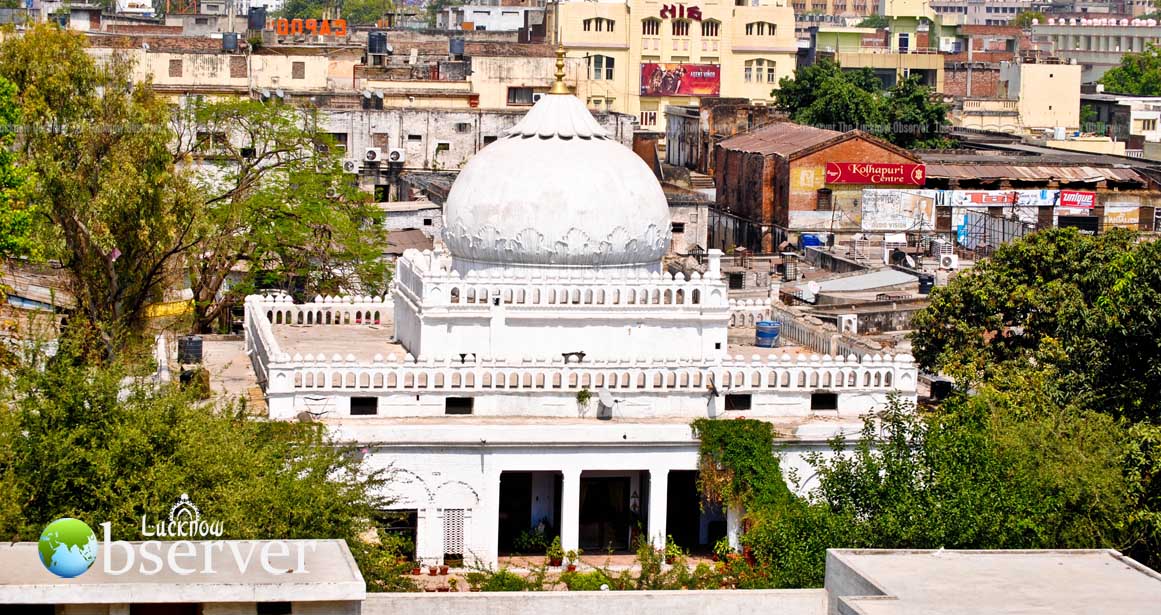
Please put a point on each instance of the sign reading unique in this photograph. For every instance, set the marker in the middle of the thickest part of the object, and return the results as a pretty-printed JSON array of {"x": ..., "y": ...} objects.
[
  {"x": 680, "y": 79},
  {"x": 679, "y": 11},
  {"x": 1077, "y": 199},
  {"x": 876, "y": 173},
  {"x": 319, "y": 27}
]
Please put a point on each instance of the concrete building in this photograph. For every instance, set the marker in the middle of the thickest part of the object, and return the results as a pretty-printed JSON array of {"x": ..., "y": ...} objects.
[
  {"x": 980, "y": 12},
  {"x": 644, "y": 56},
  {"x": 838, "y": 8},
  {"x": 972, "y": 65},
  {"x": 1132, "y": 120},
  {"x": 1020, "y": 104},
  {"x": 489, "y": 18},
  {"x": 544, "y": 369},
  {"x": 1097, "y": 44}
]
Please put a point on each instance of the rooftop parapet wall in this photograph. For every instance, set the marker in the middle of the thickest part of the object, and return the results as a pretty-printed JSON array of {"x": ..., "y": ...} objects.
[{"x": 656, "y": 386}]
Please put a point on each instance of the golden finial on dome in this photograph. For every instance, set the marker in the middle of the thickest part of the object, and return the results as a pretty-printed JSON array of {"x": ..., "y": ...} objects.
[{"x": 559, "y": 87}]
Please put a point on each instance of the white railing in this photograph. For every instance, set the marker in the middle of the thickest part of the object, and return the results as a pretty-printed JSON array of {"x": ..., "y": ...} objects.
[{"x": 283, "y": 373}]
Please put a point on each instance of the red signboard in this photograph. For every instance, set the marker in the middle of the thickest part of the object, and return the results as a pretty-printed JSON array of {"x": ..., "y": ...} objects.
[
  {"x": 876, "y": 173},
  {"x": 1077, "y": 199},
  {"x": 680, "y": 79}
]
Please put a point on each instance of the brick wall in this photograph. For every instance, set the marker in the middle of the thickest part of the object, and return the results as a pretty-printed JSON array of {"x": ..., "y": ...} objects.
[{"x": 985, "y": 82}]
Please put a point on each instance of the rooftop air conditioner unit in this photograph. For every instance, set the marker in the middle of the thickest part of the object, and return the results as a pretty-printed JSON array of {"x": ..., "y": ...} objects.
[
  {"x": 397, "y": 155},
  {"x": 374, "y": 154},
  {"x": 350, "y": 166},
  {"x": 949, "y": 262}
]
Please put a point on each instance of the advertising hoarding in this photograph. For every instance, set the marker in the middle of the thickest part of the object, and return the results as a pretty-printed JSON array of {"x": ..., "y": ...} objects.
[{"x": 680, "y": 79}]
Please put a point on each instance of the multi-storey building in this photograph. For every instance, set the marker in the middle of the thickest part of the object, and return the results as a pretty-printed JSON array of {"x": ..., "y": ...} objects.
[
  {"x": 980, "y": 12},
  {"x": 1097, "y": 44},
  {"x": 643, "y": 55}
]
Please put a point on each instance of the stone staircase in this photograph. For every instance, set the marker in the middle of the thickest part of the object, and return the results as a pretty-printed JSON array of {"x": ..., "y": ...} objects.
[{"x": 698, "y": 181}]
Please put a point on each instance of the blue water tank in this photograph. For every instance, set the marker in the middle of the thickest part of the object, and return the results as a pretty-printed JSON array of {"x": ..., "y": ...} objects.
[
  {"x": 767, "y": 333},
  {"x": 809, "y": 241}
]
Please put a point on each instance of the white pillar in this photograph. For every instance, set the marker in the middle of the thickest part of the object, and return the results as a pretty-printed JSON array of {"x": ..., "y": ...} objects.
[
  {"x": 658, "y": 506},
  {"x": 491, "y": 520},
  {"x": 734, "y": 527},
  {"x": 570, "y": 509}
]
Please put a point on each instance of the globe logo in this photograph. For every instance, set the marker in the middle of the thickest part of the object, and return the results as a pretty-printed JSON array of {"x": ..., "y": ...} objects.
[{"x": 68, "y": 547}]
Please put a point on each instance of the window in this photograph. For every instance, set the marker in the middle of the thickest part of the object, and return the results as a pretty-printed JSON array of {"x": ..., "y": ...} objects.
[
  {"x": 648, "y": 118},
  {"x": 680, "y": 27},
  {"x": 760, "y": 71},
  {"x": 519, "y": 96},
  {"x": 415, "y": 138},
  {"x": 736, "y": 281},
  {"x": 339, "y": 139},
  {"x": 273, "y": 608},
  {"x": 202, "y": 21},
  {"x": 824, "y": 401},
  {"x": 1148, "y": 125},
  {"x": 458, "y": 405},
  {"x": 427, "y": 221},
  {"x": 462, "y": 127},
  {"x": 442, "y": 146},
  {"x": 760, "y": 28},
  {"x": 598, "y": 24},
  {"x": 739, "y": 401},
  {"x": 710, "y": 28},
  {"x": 298, "y": 70},
  {"x": 602, "y": 68},
  {"x": 175, "y": 68},
  {"x": 651, "y": 27},
  {"x": 825, "y": 200},
  {"x": 489, "y": 139},
  {"x": 677, "y": 227},
  {"x": 364, "y": 406},
  {"x": 210, "y": 141}
]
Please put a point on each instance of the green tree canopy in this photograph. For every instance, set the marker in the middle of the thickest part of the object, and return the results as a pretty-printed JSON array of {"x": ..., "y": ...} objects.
[
  {"x": 1139, "y": 74},
  {"x": 1025, "y": 18},
  {"x": 16, "y": 213},
  {"x": 115, "y": 211},
  {"x": 80, "y": 442},
  {"x": 1085, "y": 305},
  {"x": 276, "y": 200},
  {"x": 907, "y": 114},
  {"x": 875, "y": 21}
]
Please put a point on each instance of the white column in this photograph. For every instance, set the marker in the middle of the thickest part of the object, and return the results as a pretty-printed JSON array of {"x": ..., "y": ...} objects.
[
  {"x": 658, "y": 506},
  {"x": 491, "y": 521},
  {"x": 570, "y": 509},
  {"x": 734, "y": 527}
]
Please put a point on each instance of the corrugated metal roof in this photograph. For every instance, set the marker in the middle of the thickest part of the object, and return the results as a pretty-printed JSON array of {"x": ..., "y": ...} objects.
[
  {"x": 782, "y": 138},
  {"x": 399, "y": 241},
  {"x": 868, "y": 281},
  {"x": 943, "y": 170}
]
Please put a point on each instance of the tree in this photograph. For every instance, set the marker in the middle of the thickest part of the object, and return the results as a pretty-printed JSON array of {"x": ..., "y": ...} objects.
[
  {"x": 1025, "y": 18},
  {"x": 1085, "y": 305},
  {"x": 356, "y": 12},
  {"x": 915, "y": 116},
  {"x": 276, "y": 200},
  {"x": 115, "y": 212},
  {"x": 16, "y": 213},
  {"x": 823, "y": 94},
  {"x": 80, "y": 442},
  {"x": 1139, "y": 74},
  {"x": 875, "y": 21}
]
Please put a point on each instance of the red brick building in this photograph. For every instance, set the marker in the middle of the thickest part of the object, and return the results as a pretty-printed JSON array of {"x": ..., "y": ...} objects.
[{"x": 790, "y": 179}]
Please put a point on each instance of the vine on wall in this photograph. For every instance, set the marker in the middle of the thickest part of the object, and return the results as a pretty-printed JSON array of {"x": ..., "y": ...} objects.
[{"x": 737, "y": 465}]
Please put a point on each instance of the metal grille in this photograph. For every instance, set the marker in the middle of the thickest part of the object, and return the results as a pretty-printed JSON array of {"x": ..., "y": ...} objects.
[{"x": 453, "y": 531}]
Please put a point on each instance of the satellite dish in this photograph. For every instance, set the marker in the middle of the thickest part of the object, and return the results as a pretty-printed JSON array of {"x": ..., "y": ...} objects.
[{"x": 606, "y": 398}]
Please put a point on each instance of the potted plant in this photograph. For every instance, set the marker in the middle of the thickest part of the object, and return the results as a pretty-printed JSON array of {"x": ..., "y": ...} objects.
[
  {"x": 416, "y": 569},
  {"x": 453, "y": 584},
  {"x": 573, "y": 556},
  {"x": 555, "y": 552},
  {"x": 432, "y": 571},
  {"x": 673, "y": 552},
  {"x": 443, "y": 569}
]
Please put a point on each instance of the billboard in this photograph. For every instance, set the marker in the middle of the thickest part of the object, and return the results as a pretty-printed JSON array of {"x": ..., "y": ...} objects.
[
  {"x": 680, "y": 79},
  {"x": 891, "y": 174},
  {"x": 1077, "y": 199}
]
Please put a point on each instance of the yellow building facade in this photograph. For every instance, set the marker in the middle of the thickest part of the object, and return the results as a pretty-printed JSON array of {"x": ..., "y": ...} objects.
[{"x": 642, "y": 55}]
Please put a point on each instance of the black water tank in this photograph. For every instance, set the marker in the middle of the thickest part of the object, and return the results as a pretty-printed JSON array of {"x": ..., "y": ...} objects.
[
  {"x": 229, "y": 41},
  {"x": 941, "y": 388},
  {"x": 256, "y": 20},
  {"x": 377, "y": 42},
  {"x": 926, "y": 283},
  {"x": 189, "y": 349}
]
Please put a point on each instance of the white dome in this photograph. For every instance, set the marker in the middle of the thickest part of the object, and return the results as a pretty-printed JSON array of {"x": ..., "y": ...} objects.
[{"x": 557, "y": 191}]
